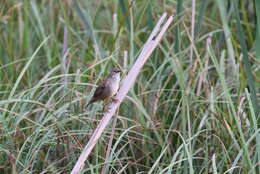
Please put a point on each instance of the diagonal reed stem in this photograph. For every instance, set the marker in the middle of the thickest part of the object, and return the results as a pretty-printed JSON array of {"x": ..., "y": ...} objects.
[{"x": 127, "y": 83}]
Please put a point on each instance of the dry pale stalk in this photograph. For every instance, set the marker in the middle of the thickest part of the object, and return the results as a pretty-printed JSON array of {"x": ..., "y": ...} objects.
[{"x": 127, "y": 83}]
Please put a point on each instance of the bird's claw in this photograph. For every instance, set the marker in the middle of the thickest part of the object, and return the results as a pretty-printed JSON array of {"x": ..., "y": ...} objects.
[{"x": 115, "y": 99}]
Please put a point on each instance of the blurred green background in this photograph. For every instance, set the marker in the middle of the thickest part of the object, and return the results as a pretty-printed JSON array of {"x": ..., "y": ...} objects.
[{"x": 193, "y": 109}]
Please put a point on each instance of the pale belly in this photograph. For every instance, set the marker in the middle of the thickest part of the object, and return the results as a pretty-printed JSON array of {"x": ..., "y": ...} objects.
[{"x": 115, "y": 85}]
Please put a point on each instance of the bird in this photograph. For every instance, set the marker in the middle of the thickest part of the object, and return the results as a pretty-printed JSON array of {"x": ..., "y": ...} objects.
[{"x": 108, "y": 87}]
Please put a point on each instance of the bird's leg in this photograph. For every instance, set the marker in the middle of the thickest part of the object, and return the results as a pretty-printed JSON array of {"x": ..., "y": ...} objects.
[
  {"x": 114, "y": 99},
  {"x": 105, "y": 104}
]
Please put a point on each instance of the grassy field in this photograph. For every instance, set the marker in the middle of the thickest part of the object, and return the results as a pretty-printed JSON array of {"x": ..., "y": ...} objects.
[{"x": 193, "y": 109}]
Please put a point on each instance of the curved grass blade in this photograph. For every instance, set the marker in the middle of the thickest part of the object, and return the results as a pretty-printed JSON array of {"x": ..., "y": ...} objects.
[
  {"x": 90, "y": 30},
  {"x": 247, "y": 64}
]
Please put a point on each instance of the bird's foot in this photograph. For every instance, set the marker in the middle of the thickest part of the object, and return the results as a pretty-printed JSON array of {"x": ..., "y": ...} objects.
[{"x": 115, "y": 99}]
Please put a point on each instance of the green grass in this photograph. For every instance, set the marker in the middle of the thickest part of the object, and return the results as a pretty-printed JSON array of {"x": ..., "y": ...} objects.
[{"x": 180, "y": 116}]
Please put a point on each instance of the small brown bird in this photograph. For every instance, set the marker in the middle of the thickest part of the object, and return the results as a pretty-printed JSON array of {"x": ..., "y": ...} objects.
[{"x": 108, "y": 87}]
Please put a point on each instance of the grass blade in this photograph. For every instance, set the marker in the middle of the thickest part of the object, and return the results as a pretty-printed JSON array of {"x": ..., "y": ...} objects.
[
  {"x": 90, "y": 30},
  {"x": 177, "y": 31},
  {"x": 257, "y": 44},
  {"x": 247, "y": 64}
]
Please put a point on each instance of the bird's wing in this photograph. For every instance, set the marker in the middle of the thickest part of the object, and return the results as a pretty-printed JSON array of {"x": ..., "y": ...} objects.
[{"x": 99, "y": 90}]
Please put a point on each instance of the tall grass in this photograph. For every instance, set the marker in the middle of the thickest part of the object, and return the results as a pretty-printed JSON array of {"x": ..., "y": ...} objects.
[{"x": 181, "y": 116}]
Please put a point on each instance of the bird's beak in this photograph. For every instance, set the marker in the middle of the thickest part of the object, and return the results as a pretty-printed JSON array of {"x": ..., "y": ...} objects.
[{"x": 119, "y": 70}]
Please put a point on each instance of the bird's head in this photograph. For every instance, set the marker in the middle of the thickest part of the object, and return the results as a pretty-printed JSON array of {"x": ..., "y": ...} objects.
[{"x": 115, "y": 71}]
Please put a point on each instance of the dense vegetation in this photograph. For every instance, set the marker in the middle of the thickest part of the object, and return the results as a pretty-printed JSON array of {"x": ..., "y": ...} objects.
[{"x": 193, "y": 109}]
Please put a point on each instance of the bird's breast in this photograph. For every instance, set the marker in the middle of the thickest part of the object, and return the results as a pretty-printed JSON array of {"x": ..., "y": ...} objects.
[{"x": 114, "y": 85}]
